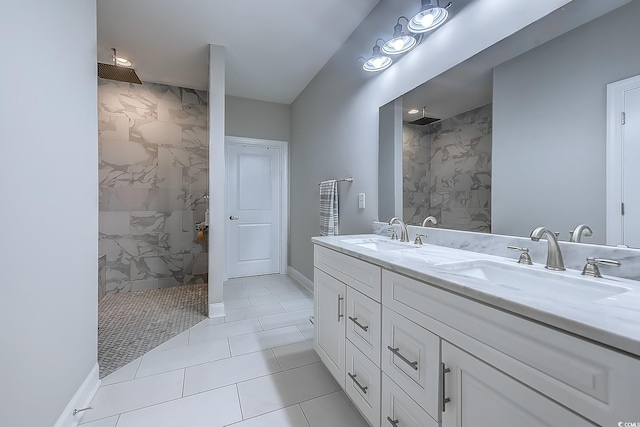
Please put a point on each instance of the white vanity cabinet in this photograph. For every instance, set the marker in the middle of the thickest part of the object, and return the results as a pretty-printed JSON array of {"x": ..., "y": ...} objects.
[{"x": 426, "y": 356}]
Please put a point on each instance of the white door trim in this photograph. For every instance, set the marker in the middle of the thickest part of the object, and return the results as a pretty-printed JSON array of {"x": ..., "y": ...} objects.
[
  {"x": 615, "y": 107},
  {"x": 284, "y": 196}
]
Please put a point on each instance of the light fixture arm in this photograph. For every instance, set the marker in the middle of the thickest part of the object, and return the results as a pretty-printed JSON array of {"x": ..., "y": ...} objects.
[{"x": 114, "y": 55}]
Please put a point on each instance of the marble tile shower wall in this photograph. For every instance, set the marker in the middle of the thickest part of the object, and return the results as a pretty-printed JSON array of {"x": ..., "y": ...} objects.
[
  {"x": 459, "y": 172},
  {"x": 153, "y": 173},
  {"x": 416, "y": 173}
]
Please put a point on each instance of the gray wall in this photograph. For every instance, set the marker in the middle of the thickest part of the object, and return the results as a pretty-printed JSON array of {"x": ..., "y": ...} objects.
[
  {"x": 153, "y": 173},
  {"x": 549, "y": 126},
  {"x": 49, "y": 215},
  {"x": 250, "y": 118},
  {"x": 335, "y": 119}
]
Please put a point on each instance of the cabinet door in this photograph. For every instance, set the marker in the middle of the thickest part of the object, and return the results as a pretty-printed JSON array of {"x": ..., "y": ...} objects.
[
  {"x": 480, "y": 395},
  {"x": 329, "y": 294}
]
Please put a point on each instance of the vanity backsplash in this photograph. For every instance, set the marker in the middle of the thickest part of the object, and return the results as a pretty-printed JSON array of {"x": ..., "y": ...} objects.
[{"x": 574, "y": 254}]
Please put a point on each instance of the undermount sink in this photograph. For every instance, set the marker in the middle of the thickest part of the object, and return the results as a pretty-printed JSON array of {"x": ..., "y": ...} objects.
[
  {"x": 380, "y": 244},
  {"x": 555, "y": 285}
]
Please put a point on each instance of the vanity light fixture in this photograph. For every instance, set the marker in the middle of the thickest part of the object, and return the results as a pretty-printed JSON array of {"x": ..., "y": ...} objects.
[
  {"x": 400, "y": 42},
  {"x": 414, "y": 111},
  {"x": 378, "y": 61},
  {"x": 430, "y": 17}
]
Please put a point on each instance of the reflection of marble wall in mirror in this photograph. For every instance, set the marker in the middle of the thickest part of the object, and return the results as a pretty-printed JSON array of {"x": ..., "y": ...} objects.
[{"x": 447, "y": 171}]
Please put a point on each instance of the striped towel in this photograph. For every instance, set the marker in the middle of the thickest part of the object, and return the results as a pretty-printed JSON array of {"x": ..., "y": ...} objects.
[{"x": 329, "y": 208}]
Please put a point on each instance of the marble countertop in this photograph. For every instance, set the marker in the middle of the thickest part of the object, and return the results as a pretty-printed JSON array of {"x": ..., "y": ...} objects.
[{"x": 612, "y": 321}]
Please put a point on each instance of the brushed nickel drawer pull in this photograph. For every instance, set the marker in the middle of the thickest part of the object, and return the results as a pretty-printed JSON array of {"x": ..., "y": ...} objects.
[
  {"x": 394, "y": 423},
  {"x": 339, "y": 314},
  {"x": 353, "y": 378},
  {"x": 355, "y": 320},
  {"x": 445, "y": 400},
  {"x": 396, "y": 351}
]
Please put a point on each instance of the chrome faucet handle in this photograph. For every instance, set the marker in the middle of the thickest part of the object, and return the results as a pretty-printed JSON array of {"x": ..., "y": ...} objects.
[
  {"x": 525, "y": 258},
  {"x": 419, "y": 237},
  {"x": 592, "y": 270},
  {"x": 394, "y": 235}
]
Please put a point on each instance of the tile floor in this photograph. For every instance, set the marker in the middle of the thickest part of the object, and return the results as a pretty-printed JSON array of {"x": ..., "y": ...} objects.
[{"x": 254, "y": 368}]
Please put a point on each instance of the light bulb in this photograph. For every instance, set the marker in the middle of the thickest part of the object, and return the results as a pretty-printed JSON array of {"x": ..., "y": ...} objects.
[
  {"x": 123, "y": 61},
  {"x": 398, "y": 43},
  {"x": 377, "y": 61},
  {"x": 427, "y": 20}
]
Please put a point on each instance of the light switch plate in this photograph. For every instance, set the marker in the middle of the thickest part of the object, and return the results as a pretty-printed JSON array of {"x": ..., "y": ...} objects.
[{"x": 361, "y": 200}]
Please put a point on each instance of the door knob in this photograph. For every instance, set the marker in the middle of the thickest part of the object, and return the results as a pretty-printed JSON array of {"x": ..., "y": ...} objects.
[{"x": 233, "y": 218}]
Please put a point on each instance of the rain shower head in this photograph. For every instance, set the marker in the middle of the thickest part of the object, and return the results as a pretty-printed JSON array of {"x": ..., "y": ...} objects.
[
  {"x": 117, "y": 73},
  {"x": 424, "y": 120}
]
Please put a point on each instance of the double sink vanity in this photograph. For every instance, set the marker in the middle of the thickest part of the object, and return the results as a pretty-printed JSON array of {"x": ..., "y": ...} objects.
[{"x": 427, "y": 335}]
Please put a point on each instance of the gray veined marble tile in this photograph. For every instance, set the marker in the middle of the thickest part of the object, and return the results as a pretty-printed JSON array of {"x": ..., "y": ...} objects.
[
  {"x": 195, "y": 136},
  {"x": 114, "y": 223},
  {"x": 143, "y": 176},
  {"x": 156, "y": 267},
  {"x": 170, "y": 177},
  {"x": 179, "y": 243},
  {"x": 157, "y": 91},
  {"x": 183, "y": 156},
  {"x": 156, "y": 132},
  {"x": 114, "y": 86},
  {"x": 119, "y": 153},
  {"x": 168, "y": 109},
  {"x": 114, "y": 176},
  {"x": 117, "y": 270},
  {"x": 146, "y": 222},
  {"x": 113, "y": 128},
  {"x": 171, "y": 200},
  {"x": 121, "y": 105},
  {"x": 128, "y": 199},
  {"x": 195, "y": 178},
  {"x": 121, "y": 286},
  {"x": 194, "y": 200},
  {"x": 126, "y": 247}
]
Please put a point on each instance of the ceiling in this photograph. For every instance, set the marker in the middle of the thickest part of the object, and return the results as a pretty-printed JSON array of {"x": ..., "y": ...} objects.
[{"x": 272, "y": 54}]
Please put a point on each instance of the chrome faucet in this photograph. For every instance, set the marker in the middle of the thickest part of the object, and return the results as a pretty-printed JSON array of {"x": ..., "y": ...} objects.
[
  {"x": 579, "y": 231},
  {"x": 430, "y": 219},
  {"x": 554, "y": 255},
  {"x": 404, "y": 237}
]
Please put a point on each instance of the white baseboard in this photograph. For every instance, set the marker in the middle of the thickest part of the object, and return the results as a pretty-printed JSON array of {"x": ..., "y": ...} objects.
[
  {"x": 216, "y": 310},
  {"x": 81, "y": 399},
  {"x": 300, "y": 278}
]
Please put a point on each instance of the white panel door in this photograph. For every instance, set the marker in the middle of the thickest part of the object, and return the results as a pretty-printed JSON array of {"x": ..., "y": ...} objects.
[
  {"x": 630, "y": 169},
  {"x": 254, "y": 202}
]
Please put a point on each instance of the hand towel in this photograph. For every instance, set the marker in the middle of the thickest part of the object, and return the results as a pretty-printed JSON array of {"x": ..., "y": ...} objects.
[{"x": 329, "y": 208}]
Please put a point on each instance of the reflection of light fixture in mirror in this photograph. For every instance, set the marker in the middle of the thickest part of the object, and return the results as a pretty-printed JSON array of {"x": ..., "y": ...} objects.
[
  {"x": 430, "y": 17},
  {"x": 414, "y": 111},
  {"x": 400, "y": 42},
  {"x": 378, "y": 61}
]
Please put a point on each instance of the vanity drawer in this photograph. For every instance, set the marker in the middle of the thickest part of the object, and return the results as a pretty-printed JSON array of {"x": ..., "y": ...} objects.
[
  {"x": 358, "y": 274},
  {"x": 362, "y": 384},
  {"x": 363, "y": 324},
  {"x": 398, "y": 409},
  {"x": 411, "y": 358}
]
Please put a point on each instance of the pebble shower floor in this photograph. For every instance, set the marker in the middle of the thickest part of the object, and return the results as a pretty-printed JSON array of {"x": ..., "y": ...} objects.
[{"x": 132, "y": 323}]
